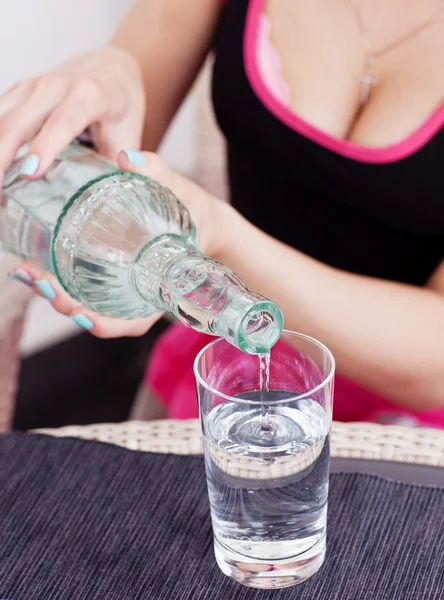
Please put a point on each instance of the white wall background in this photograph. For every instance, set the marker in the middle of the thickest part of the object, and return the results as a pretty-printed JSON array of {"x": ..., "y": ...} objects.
[{"x": 36, "y": 35}]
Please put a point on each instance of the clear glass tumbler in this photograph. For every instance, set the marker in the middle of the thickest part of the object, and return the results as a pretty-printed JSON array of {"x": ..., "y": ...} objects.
[{"x": 266, "y": 436}]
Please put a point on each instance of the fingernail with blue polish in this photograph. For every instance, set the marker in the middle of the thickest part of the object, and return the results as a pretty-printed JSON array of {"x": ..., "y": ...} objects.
[
  {"x": 46, "y": 289},
  {"x": 136, "y": 158},
  {"x": 23, "y": 277},
  {"x": 83, "y": 321},
  {"x": 30, "y": 166}
]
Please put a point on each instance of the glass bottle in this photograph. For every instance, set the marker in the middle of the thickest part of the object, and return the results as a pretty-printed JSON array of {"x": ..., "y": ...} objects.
[{"x": 124, "y": 246}]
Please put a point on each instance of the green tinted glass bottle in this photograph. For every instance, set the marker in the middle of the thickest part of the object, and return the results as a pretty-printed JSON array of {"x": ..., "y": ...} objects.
[{"x": 124, "y": 246}]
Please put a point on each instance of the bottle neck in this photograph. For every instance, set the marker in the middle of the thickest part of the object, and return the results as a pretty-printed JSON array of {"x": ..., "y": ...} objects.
[
  {"x": 174, "y": 276},
  {"x": 250, "y": 322}
]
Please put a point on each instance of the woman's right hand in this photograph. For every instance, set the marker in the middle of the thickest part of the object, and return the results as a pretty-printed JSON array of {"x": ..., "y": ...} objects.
[{"x": 101, "y": 92}]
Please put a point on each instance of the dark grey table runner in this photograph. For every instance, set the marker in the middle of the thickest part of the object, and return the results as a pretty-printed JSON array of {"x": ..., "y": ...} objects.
[{"x": 87, "y": 521}]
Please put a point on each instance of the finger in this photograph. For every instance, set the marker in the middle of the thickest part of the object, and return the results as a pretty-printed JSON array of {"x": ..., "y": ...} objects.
[
  {"x": 111, "y": 136},
  {"x": 83, "y": 106},
  {"x": 16, "y": 96},
  {"x": 23, "y": 122},
  {"x": 148, "y": 164},
  {"x": 48, "y": 287},
  {"x": 45, "y": 285},
  {"x": 106, "y": 328},
  {"x": 27, "y": 273}
]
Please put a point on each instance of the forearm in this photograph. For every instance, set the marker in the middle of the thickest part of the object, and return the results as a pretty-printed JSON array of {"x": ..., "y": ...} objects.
[
  {"x": 388, "y": 337},
  {"x": 170, "y": 39}
]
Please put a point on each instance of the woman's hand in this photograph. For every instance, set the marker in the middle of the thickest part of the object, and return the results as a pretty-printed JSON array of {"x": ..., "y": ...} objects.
[
  {"x": 205, "y": 211},
  {"x": 101, "y": 92}
]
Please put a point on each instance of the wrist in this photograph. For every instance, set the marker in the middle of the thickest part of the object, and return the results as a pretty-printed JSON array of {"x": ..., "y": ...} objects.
[
  {"x": 222, "y": 234},
  {"x": 212, "y": 217}
]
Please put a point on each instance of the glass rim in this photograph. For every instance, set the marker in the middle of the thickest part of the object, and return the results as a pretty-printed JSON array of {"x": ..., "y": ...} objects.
[{"x": 326, "y": 381}]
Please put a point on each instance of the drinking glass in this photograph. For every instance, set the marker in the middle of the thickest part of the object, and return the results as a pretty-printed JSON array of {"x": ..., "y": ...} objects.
[{"x": 266, "y": 428}]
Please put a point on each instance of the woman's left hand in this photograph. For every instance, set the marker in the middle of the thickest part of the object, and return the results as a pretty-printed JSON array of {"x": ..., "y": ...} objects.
[{"x": 202, "y": 206}]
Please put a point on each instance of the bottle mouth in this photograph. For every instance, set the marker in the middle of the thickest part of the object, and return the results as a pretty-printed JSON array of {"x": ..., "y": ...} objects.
[{"x": 260, "y": 328}]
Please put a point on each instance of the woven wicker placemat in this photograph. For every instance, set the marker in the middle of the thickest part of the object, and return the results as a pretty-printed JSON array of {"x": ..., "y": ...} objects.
[{"x": 349, "y": 440}]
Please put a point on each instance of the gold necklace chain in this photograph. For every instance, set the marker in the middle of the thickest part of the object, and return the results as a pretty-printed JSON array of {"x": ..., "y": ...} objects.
[{"x": 371, "y": 55}]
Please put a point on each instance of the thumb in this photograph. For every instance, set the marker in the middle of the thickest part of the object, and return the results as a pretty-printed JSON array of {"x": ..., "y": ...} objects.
[
  {"x": 152, "y": 166},
  {"x": 109, "y": 138},
  {"x": 200, "y": 203},
  {"x": 148, "y": 164}
]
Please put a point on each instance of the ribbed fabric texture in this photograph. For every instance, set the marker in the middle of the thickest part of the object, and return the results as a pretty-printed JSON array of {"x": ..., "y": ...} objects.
[{"x": 89, "y": 521}]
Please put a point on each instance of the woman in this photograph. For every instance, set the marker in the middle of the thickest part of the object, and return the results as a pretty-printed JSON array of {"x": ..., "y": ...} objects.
[{"x": 334, "y": 118}]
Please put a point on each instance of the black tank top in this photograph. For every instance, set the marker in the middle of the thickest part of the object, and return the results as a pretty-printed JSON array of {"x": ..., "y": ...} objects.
[{"x": 374, "y": 217}]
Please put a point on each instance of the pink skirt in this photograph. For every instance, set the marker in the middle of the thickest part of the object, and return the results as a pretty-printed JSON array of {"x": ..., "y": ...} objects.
[{"x": 170, "y": 376}]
